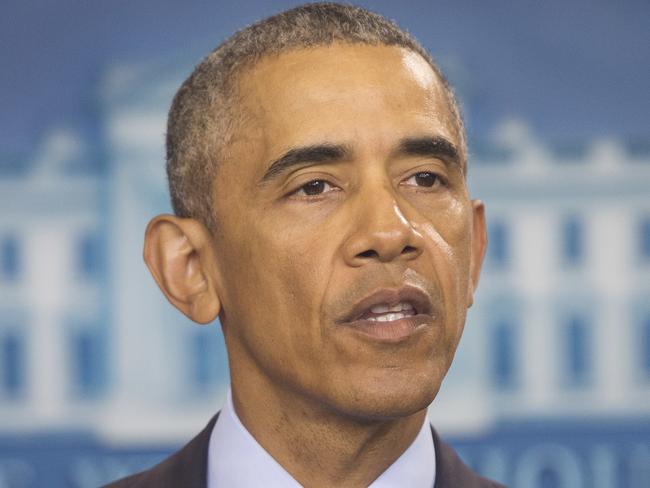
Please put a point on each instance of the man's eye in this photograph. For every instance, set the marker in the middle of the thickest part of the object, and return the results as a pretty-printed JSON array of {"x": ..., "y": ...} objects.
[
  {"x": 315, "y": 187},
  {"x": 424, "y": 178}
]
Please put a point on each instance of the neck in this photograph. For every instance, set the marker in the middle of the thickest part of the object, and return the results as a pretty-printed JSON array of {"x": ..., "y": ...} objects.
[{"x": 318, "y": 445}]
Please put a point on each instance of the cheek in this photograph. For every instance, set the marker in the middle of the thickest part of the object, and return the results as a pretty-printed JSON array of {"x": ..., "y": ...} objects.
[
  {"x": 277, "y": 284},
  {"x": 447, "y": 237},
  {"x": 458, "y": 229}
]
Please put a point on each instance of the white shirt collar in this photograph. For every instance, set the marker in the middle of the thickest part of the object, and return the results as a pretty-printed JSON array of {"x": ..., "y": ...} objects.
[{"x": 236, "y": 460}]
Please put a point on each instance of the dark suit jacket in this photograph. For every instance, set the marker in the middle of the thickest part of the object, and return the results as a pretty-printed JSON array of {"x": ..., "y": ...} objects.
[{"x": 188, "y": 468}]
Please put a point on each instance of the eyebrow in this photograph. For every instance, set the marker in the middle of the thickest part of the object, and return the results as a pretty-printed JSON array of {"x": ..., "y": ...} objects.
[
  {"x": 304, "y": 156},
  {"x": 435, "y": 147}
]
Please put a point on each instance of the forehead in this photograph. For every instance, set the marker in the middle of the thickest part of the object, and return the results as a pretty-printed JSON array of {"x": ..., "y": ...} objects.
[{"x": 342, "y": 93}]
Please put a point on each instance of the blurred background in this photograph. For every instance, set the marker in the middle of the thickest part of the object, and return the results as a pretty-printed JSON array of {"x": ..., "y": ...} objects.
[{"x": 100, "y": 377}]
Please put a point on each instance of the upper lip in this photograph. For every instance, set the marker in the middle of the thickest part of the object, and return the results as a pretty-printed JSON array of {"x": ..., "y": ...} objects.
[{"x": 392, "y": 296}]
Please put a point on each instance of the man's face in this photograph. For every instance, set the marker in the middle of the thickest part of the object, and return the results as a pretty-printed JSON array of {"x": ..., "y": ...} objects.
[{"x": 344, "y": 237}]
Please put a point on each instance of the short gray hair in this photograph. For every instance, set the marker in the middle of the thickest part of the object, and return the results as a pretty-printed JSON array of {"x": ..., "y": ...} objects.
[{"x": 202, "y": 117}]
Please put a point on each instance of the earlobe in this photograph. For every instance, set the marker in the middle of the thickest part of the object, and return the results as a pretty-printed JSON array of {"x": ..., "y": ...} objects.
[
  {"x": 479, "y": 245},
  {"x": 179, "y": 256}
]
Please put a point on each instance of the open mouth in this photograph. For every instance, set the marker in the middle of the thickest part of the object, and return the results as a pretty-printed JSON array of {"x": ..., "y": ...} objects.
[
  {"x": 391, "y": 314},
  {"x": 387, "y": 313},
  {"x": 389, "y": 304}
]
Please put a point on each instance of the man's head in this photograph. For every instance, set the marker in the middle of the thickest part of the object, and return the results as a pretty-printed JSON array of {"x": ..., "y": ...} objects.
[{"x": 345, "y": 248}]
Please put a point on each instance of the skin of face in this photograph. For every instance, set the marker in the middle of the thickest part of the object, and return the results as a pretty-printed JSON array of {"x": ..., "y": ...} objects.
[{"x": 297, "y": 249}]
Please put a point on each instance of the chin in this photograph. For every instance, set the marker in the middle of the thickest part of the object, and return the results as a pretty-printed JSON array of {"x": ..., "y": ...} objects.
[{"x": 389, "y": 399}]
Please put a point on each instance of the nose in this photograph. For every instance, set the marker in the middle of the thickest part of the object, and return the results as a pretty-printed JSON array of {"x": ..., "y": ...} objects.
[{"x": 381, "y": 232}]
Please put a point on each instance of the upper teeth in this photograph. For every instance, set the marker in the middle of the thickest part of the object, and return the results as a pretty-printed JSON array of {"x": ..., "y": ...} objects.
[
  {"x": 388, "y": 317},
  {"x": 384, "y": 308}
]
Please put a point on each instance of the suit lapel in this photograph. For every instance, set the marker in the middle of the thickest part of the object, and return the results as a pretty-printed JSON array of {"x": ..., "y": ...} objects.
[
  {"x": 451, "y": 471},
  {"x": 188, "y": 468}
]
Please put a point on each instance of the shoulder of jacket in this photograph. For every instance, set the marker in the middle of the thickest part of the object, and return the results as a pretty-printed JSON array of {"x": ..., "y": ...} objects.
[
  {"x": 186, "y": 467},
  {"x": 451, "y": 471}
]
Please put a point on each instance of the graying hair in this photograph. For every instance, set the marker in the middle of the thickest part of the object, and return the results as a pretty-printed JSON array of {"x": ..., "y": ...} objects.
[{"x": 203, "y": 116}]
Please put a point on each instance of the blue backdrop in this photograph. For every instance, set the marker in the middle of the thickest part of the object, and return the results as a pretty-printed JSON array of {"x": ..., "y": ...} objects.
[{"x": 100, "y": 377}]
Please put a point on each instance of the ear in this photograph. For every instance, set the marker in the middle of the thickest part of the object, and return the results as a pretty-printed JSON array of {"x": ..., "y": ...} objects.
[
  {"x": 179, "y": 255},
  {"x": 479, "y": 245}
]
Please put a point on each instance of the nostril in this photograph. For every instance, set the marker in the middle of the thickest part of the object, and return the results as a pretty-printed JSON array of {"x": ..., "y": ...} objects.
[
  {"x": 409, "y": 250},
  {"x": 368, "y": 254}
]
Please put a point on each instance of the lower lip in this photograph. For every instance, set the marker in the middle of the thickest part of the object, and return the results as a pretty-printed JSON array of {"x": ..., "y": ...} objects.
[{"x": 392, "y": 331}]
